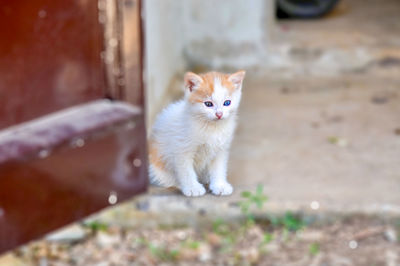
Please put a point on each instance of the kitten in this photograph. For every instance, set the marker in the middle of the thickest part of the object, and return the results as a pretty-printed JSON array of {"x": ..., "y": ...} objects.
[{"x": 190, "y": 139}]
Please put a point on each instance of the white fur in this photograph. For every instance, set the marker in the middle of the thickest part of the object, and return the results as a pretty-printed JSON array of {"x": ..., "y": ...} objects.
[{"x": 194, "y": 144}]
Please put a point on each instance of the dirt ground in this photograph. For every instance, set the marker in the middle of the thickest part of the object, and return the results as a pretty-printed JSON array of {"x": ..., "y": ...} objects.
[
  {"x": 350, "y": 241},
  {"x": 319, "y": 129}
]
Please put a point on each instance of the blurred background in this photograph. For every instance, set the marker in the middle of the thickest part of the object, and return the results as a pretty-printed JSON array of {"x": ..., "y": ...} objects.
[{"x": 315, "y": 162}]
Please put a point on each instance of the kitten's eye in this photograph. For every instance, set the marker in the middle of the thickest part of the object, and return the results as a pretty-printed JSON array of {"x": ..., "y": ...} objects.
[
  {"x": 209, "y": 104},
  {"x": 227, "y": 103}
]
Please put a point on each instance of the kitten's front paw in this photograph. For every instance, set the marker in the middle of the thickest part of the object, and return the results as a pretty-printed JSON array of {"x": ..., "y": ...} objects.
[
  {"x": 194, "y": 190},
  {"x": 221, "y": 189}
]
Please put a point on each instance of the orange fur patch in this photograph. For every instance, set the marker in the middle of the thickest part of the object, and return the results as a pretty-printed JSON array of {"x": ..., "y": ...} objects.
[
  {"x": 206, "y": 87},
  {"x": 154, "y": 156},
  {"x": 228, "y": 85}
]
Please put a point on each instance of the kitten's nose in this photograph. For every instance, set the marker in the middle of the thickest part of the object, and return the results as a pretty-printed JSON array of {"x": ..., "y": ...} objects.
[{"x": 218, "y": 114}]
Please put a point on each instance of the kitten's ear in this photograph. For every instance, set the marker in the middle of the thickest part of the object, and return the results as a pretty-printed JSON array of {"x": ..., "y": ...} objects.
[
  {"x": 237, "y": 78},
  {"x": 192, "y": 81}
]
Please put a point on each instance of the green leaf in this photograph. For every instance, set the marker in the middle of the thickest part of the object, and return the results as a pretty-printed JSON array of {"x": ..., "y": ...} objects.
[
  {"x": 246, "y": 194},
  {"x": 259, "y": 203},
  {"x": 96, "y": 226},
  {"x": 217, "y": 224},
  {"x": 163, "y": 253},
  {"x": 174, "y": 254},
  {"x": 264, "y": 198},
  {"x": 291, "y": 222},
  {"x": 193, "y": 244},
  {"x": 251, "y": 220},
  {"x": 140, "y": 241},
  {"x": 314, "y": 249},
  {"x": 244, "y": 206},
  {"x": 267, "y": 238},
  {"x": 259, "y": 189},
  {"x": 153, "y": 249}
]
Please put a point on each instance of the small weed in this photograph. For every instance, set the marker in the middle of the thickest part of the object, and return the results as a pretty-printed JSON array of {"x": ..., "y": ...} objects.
[
  {"x": 289, "y": 222},
  {"x": 220, "y": 227},
  {"x": 192, "y": 244},
  {"x": 228, "y": 235},
  {"x": 267, "y": 238},
  {"x": 140, "y": 241},
  {"x": 258, "y": 199},
  {"x": 227, "y": 243},
  {"x": 159, "y": 252},
  {"x": 314, "y": 249},
  {"x": 292, "y": 222},
  {"x": 250, "y": 222},
  {"x": 229, "y": 239},
  {"x": 163, "y": 253},
  {"x": 96, "y": 226}
]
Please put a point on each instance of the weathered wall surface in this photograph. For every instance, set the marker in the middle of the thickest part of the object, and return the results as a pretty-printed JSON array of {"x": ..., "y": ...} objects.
[
  {"x": 227, "y": 33},
  {"x": 163, "y": 50}
]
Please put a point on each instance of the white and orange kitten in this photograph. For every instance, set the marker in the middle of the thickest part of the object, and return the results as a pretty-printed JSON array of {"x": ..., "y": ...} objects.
[{"x": 190, "y": 140}]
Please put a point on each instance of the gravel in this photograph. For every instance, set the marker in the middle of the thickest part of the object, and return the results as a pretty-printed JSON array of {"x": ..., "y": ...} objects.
[{"x": 350, "y": 241}]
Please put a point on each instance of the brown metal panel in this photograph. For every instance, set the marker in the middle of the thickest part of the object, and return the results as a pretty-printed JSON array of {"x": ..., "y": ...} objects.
[
  {"x": 38, "y": 194},
  {"x": 49, "y": 57},
  {"x": 53, "y": 55}
]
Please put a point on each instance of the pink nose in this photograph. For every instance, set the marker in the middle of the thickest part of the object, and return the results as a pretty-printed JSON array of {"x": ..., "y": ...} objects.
[{"x": 218, "y": 114}]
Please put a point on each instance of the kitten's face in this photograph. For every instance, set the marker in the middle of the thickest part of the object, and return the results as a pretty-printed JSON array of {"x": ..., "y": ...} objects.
[{"x": 214, "y": 96}]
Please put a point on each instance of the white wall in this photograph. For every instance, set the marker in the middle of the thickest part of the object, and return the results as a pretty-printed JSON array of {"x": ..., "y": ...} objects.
[
  {"x": 163, "y": 50},
  {"x": 226, "y": 33}
]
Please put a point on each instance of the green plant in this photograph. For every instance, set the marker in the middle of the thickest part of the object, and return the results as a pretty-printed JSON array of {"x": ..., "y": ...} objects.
[
  {"x": 191, "y": 244},
  {"x": 220, "y": 227},
  {"x": 140, "y": 241},
  {"x": 95, "y": 226},
  {"x": 314, "y": 249},
  {"x": 228, "y": 243},
  {"x": 228, "y": 234},
  {"x": 258, "y": 199},
  {"x": 292, "y": 222},
  {"x": 162, "y": 253},
  {"x": 268, "y": 237},
  {"x": 288, "y": 221}
]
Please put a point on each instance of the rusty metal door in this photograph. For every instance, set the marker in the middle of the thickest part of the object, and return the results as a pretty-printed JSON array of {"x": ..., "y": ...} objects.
[{"x": 66, "y": 151}]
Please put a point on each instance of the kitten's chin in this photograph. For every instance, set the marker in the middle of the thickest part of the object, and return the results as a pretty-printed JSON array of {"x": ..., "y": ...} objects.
[{"x": 219, "y": 119}]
